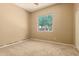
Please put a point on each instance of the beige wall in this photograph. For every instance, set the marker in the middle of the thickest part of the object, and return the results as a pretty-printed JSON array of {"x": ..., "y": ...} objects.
[
  {"x": 13, "y": 23},
  {"x": 63, "y": 23},
  {"x": 77, "y": 25}
]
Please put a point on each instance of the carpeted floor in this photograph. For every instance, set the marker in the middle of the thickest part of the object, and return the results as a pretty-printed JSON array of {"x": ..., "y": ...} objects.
[{"x": 38, "y": 48}]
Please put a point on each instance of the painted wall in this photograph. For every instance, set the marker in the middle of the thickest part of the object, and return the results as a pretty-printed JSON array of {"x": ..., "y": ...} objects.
[
  {"x": 63, "y": 18},
  {"x": 13, "y": 23},
  {"x": 77, "y": 26}
]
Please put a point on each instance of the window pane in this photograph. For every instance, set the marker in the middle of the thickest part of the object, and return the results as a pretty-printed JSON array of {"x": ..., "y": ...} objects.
[{"x": 45, "y": 23}]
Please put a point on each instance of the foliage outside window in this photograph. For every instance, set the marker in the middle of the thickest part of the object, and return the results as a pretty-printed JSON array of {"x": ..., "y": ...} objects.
[{"x": 45, "y": 23}]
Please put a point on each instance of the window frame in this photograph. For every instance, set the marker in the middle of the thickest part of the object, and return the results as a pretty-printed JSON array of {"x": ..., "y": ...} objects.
[{"x": 38, "y": 24}]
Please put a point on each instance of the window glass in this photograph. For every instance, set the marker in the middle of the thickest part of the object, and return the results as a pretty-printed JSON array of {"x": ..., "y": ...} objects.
[{"x": 45, "y": 23}]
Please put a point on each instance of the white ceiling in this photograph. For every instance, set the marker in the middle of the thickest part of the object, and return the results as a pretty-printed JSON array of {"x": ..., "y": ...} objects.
[{"x": 31, "y": 7}]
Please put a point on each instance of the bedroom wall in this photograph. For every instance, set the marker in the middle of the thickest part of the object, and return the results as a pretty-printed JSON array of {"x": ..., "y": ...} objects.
[
  {"x": 13, "y": 23},
  {"x": 63, "y": 18},
  {"x": 77, "y": 26}
]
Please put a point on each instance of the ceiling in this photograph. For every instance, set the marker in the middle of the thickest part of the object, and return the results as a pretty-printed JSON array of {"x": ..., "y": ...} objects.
[{"x": 31, "y": 7}]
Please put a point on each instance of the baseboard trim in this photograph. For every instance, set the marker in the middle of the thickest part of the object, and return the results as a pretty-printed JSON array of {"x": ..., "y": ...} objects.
[
  {"x": 12, "y": 43},
  {"x": 20, "y": 41},
  {"x": 53, "y": 42}
]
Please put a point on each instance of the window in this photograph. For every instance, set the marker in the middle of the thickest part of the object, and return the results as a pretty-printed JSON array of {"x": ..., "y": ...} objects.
[{"x": 45, "y": 23}]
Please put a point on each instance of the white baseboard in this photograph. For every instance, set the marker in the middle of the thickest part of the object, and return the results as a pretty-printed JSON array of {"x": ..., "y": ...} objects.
[
  {"x": 12, "y": 43},
  {"x": 53, "y": 42},
  {"x": 20, "y": 41}
]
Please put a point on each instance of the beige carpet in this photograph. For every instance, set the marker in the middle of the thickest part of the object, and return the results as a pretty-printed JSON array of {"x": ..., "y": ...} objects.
[{"x": 38, "y": 48}]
